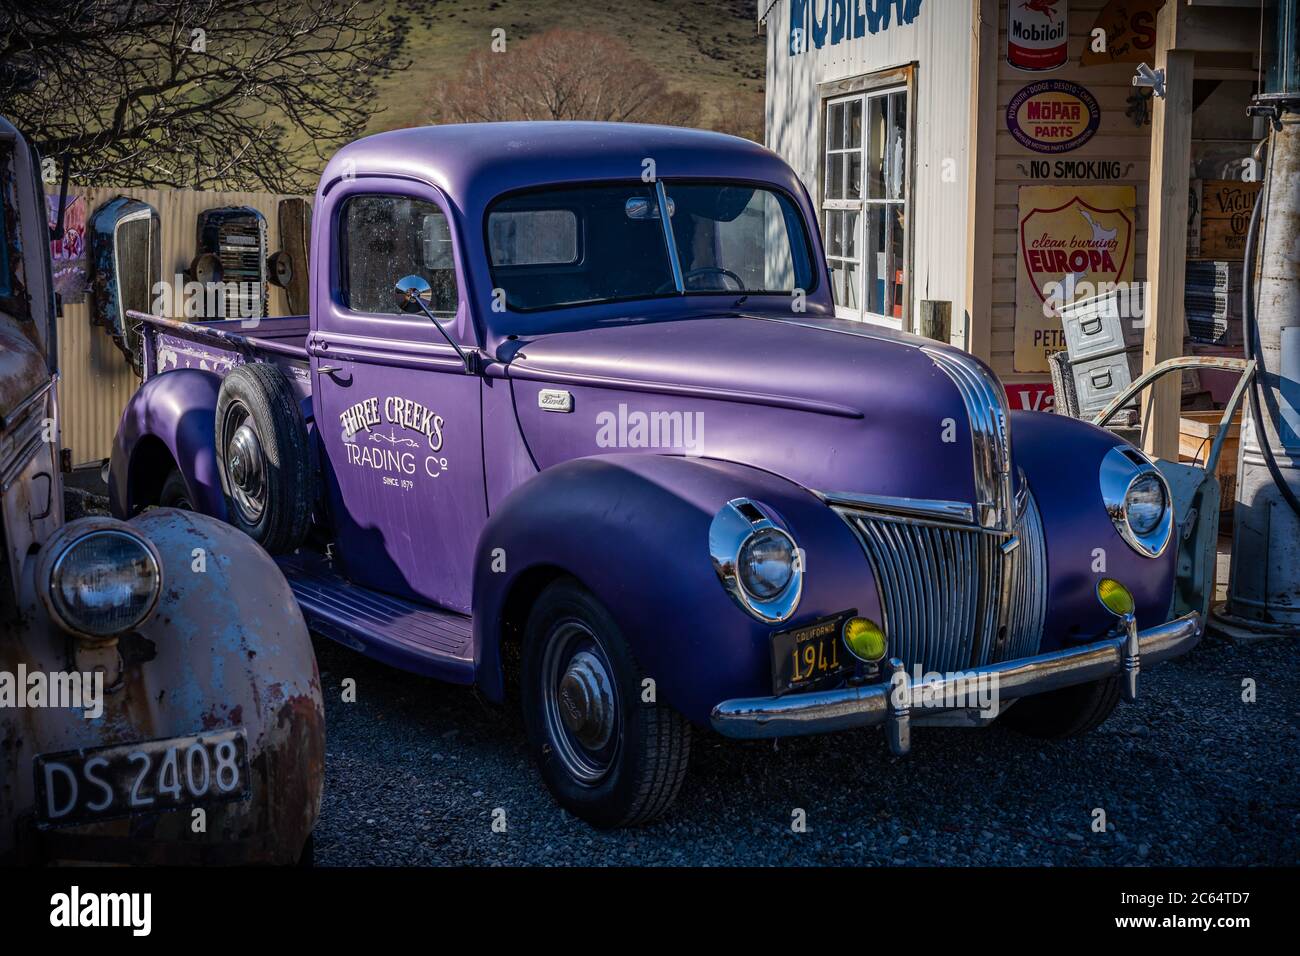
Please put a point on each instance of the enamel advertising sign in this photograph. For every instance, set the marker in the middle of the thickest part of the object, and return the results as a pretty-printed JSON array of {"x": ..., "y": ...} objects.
[
  {"x": 1038, "y": 34},
  {"x": 1074, "y": 241},
  {"x": 1053, "y": 116}
]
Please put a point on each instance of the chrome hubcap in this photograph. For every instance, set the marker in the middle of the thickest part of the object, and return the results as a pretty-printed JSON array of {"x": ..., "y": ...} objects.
[
  {"x": 586, "y": 701},
  {"x": 246, "y": 467},
  {"x": 580, "y": 702}
]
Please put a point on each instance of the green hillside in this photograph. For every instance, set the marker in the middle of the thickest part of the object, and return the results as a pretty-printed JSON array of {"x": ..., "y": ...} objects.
[{"x": 709, "y": 47}]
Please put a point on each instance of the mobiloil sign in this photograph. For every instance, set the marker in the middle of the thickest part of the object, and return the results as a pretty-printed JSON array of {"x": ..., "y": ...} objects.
[
  {"x": 1038, "y": 34},
  {"x": 814, "y": 23}
]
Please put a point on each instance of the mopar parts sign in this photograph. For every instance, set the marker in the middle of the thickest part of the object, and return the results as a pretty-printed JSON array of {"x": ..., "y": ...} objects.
[{"x": 814, "y": 23}]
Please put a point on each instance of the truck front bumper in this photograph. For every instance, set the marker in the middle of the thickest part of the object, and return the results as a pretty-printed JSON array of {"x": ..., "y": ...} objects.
[{"x": 890, "y": 702}]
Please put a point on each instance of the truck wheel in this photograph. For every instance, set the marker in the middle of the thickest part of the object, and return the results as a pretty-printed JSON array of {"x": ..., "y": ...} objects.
[
  {"x": 174, "y": 494},
  {"x": 264, "y": 458},
  {"x": 1068, "y": 712},
  {"x": 607, "y": 756}
]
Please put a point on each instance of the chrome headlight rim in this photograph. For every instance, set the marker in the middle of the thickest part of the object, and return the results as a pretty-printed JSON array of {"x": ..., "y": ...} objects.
[
  {"x": 62, "y": 548},
  {"x": 1121, "y": 468},
  {"x": 734, "y": 527}
]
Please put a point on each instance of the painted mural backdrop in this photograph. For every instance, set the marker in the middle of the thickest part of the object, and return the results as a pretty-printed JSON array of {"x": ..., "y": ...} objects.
[
  {"x": 1070, "y": 238},
  {"x": 70, "y": 261}
]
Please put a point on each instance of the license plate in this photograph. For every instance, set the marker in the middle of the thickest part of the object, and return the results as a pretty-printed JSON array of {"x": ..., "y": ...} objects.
[
  {"x": 809, "y": 655},
  {"x": 80, "y": 786}
]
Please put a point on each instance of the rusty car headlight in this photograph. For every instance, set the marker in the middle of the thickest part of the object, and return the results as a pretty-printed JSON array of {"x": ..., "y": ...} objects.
[
  {"x": 1137, "y": 499},
  {"x": 756, "y": 561},
  {"x": 104, "y": 583}
]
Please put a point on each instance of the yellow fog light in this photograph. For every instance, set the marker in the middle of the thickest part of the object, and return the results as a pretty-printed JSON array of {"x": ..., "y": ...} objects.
[
  {"x": 864, "y": 639},
  {"x": 1115, "y": 597}
]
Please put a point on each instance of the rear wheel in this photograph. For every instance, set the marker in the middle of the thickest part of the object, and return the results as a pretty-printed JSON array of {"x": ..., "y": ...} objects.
[
  {"x": 174, "y": 494},
  {"x": 1068, "y": 712},
  {"x": 264, "y": 457},
  {"x": 607, "y": 755}
]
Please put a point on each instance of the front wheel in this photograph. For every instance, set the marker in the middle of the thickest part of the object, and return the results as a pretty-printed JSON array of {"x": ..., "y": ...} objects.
[
  {"x": 608, "y": 755},
  {"x": 1068, "y": 712}
]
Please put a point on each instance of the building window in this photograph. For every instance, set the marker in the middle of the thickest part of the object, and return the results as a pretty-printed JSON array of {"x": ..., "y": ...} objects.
[{"x": 864, "y": 204}]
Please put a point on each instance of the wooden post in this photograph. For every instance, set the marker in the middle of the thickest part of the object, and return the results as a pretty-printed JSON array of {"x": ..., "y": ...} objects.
[
  {"x": 977, "y": 334},
  {"x": 1171, "y": 146},
  {"x": 935, "y": 321}
]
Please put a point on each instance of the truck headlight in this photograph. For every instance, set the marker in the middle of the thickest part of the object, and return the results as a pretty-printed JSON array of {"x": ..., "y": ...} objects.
[
  {"x": 104, "y": 582},
  {"x": 1137, "y": 500},
  {"x": 766, "y": 563},
  {"x": 756, "y": 561},
  {"x": 1145, "y": 503}
]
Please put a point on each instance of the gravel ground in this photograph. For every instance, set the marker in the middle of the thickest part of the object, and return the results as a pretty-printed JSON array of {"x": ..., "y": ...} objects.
[{"x": 1188, "y": 775}]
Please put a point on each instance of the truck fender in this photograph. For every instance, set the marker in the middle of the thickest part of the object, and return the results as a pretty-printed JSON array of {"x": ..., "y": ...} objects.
[
  {"x": 169, "y": 422},
  {"x": 1083, "y": 545},
  {"x": 634, "y": 530},
  {"x": 226, "y": 648}
]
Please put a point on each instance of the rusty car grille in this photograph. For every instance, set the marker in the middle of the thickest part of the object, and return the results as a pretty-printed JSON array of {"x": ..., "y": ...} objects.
[{"x": 952, "y": 598}]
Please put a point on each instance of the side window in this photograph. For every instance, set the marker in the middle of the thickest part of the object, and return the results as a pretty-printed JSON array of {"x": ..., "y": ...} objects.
[
  {"x": 7, "y": 223},
  {"x": 388, "y": 237}
]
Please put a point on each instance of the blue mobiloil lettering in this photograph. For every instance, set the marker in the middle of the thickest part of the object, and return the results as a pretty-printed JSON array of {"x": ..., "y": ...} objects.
[{"x": 839, "y": 20}]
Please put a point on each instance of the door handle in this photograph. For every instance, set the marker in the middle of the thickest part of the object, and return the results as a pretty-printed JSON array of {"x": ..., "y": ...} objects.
[{"x": 328, "y": 369}]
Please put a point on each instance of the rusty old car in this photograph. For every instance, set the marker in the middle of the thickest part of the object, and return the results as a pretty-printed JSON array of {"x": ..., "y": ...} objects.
[{"x": 145, "y": 716}]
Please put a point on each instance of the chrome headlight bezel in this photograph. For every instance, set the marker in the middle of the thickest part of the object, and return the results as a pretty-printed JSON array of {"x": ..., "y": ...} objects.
[
  {"x": 734, "y": 527},
  {"x": 63, "y": 548},
  {"x": 1121, "y": 468}
]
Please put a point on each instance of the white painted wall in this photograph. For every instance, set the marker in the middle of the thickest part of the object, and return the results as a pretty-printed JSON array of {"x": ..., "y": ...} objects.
[{"x": 939, "y": 43}]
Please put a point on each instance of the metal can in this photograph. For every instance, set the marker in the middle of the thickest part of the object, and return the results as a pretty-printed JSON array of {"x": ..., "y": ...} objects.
[{"x": 1038, "y": 34}]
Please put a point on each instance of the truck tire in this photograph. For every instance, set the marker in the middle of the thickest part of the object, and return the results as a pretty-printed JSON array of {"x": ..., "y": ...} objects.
[
  {"x": 264, "y": 457},
  {"x": 174, "y": 493},
  {"x": 1068, "y": 712},
  {"x": 606, "y": 755}
]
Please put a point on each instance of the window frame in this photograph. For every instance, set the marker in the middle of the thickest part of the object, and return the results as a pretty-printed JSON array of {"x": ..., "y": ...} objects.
[
  {"x": 343, "y": 279},
  {"x": 809, "y": 249},
  {"x": 863, "y": 90}
]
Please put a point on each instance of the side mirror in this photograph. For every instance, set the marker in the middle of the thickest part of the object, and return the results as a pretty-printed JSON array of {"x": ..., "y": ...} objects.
[
  {"x": 412, "y": 292},
  {"x": 413, "y": 295}
]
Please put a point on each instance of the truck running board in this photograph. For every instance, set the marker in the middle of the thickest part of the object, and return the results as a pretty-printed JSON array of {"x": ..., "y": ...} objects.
[{"x": 399, "y": 633}]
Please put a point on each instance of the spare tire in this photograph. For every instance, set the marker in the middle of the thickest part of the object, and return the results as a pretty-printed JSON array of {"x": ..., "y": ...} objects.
[{"x": 264, "y": 457}]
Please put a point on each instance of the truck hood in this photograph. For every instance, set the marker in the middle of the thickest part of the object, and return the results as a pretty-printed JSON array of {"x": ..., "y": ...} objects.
[{"x": 833, "y": 405}]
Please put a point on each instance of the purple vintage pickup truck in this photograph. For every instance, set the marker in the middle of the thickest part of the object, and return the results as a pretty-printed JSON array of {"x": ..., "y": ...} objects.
[{"x": 572, "y": 413}]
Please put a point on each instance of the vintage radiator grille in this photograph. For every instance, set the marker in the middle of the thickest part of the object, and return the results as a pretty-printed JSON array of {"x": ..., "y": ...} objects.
[{"x": 952, "y": 598}]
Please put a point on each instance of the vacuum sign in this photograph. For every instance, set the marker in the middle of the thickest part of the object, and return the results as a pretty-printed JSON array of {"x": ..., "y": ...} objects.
[{"x": 815, "y": 23}]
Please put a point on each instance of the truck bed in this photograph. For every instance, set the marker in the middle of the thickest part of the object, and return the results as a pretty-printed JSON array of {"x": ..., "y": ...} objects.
[{"x": 221, "y": 344}]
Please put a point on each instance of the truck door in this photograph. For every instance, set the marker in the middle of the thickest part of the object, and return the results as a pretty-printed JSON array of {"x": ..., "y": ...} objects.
[{"x": 398, "y": 415}]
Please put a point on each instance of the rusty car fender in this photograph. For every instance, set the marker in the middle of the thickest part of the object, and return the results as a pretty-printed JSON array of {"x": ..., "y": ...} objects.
[{"x": 226, "y": 647}]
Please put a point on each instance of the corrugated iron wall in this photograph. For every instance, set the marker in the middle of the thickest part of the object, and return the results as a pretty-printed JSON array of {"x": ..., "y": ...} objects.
[{"x": 96, "y": 380}]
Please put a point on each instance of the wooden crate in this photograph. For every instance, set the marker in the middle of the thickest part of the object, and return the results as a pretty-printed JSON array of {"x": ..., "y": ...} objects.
[
  {"x": 1196, "y": 430},
  {"x": 1225, "y": 214}
]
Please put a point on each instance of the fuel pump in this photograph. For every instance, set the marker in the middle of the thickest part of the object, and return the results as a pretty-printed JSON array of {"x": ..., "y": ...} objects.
[{"x": 1264, "y": 581}]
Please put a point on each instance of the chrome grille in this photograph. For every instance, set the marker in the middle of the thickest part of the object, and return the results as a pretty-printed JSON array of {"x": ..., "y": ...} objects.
[{"x": 952, "y": 597}]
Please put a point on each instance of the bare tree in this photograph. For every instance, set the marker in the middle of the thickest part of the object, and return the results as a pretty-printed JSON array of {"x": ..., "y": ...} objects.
[
  {"x": 562, "y": 75},
  {"x": 740, "y": 113},
  {"x": 199, "y": 93}
]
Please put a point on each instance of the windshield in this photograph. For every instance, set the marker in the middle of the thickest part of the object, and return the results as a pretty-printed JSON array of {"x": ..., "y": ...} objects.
[{"x": 607, "y": 243}]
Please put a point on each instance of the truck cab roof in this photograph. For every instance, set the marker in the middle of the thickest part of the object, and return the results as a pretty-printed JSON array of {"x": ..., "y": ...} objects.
[{"x": 475, "y": 162}]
